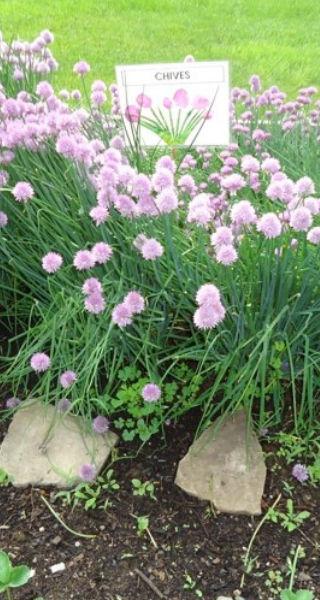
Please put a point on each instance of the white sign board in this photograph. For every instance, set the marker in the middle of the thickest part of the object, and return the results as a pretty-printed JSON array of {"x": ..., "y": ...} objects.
[{"x": 176, "y": 103}]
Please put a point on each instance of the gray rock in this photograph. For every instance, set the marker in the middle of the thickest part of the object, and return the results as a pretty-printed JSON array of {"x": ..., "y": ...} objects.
[
  {"x": 44, "y": 447},
  {"x": 225, "y": 465}
]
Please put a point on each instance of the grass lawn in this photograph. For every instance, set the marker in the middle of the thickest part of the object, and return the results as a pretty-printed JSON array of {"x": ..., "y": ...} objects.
[{"x": 278, "y": 39}]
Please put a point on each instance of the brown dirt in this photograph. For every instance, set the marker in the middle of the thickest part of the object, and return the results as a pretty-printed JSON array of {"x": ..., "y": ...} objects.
[{"x": 189, "y": 538}]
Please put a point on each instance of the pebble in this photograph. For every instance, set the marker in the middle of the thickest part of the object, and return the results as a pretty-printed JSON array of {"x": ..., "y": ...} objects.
[
  {"x": 56, "y": 540},
  {"x": 304, "y": 577},
  {"x": 57, "y": 568},
  {"x": 229, "y": 598}
]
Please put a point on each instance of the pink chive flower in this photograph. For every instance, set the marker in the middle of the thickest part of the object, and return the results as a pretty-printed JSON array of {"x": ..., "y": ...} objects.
[
  {"x": 92, "y": 285},
  {"x": 181, "y": 98},
  {"x": 208, "y": 315},
  {"x": 162, "y": 178},
  {"x": 132, "y": 113},
  {"x": 305, "y": 186},
  {"x": 187, "y": 184},
  {"x": 249, "y": 164},
  {"x": 125, "y": 205},
  {"x": 23, "y": 191},
  {"x": 64, "y": 94},
  {"x": 87, "y": 472},
  {"x": 208, "y": 294},
  {"x": 83, "y": 260},
  {"x": 40, "y": 362},
  {"x": 100, "y": 424},
  {"x": 313, "y": 235},
  {"x": 167, "y": 103},
  {"x": 300, "y": 472},
  {"x": 243, "y": 213},
  {"x": 233, "y": 183},
  {"x": 271, "y": 165},
  {"x": 222, "y": 235},
  {"x": 51, "y": 262},
  {"x": 143, "y": 101},
  {"x": 151, "y": 249},
  {"x": 134, "y": 302},
  {"x": 200, "y": 209},
  {"x": 274, "y": 190},
  {"x": 81, "y": 68},
  {"x": 141, "y": 185},
  {"x": 139, "y": 241},
  {"x": 99, "y": 86},
  {"x": 200, "y": 103},
  {"x": 13, "y": 402},
  {"x": 301, "y": 219},
  {"x": 255, "y": 83},
  {"x": 269, "y": 224},
  {"x": 3, "y": 219},
  {"x": 63, "y": 405},
  {"x": 99, "y": 214},
  {"x": 4, "y": 176},
  {"x": 95, "y": 303},
  {"x": 313, "y": 205},
  {"x": 47, "y": 36},
  {"x": 226, "y": 254},
  {"x": 67, "y": 378},
  {"x": 151, "y": 392},
  {"x": 166, "y": 162},
  {"x": 101, "y": 252},
  {"x": 76, "y": 95},
  {"x": 44, "y": 89},
  {"x": 167, "y": 201},
  {"x": 122, "y": 315},
  {"x": 98, "y": 97}
]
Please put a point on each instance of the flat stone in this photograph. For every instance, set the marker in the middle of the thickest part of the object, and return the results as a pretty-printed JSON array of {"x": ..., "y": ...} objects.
[
  {"x": 45, "y": 447},
  {"x": 225, "y": 465}
]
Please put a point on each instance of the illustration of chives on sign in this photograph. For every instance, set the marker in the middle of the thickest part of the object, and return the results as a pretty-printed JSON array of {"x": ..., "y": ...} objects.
[{"x": 175, "y": 104}]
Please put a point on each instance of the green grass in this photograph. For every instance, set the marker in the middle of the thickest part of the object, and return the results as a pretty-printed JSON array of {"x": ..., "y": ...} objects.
[{"x": 278, "y": 39}]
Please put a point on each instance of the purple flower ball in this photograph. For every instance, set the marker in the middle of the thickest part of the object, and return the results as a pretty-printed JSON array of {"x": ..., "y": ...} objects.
[
  {"x": 300, "y": 472},
  {"x": 100, "y": 424},
  {"x": 151, "y": 249},
  {"x": 81, "y": 68},
  {"x": 87, "y": 472},
  {"x": 22, "y": 191},
  {"x": 51, "y": 262},
  {"x": 95, "y": 303},
  {"x": 40, "y": 362},
  {"x": 101, "y": 252},
  {"x": 151, "y": 392},
  {"x": 13, "y": 402},
  {"x": 122, "y": 315},
  {"x": 67, "y": 378},
  {"x": 135, "y": 302},
  {"x": 63, "y": 405},
  {"x": 83, "y": 260},
  {"x": 3, "y": 219},
  {"x": 92, "y": 285}
]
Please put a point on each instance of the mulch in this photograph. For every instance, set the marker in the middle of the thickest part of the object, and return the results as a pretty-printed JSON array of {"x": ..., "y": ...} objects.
[{"x": 191, "y": 539}]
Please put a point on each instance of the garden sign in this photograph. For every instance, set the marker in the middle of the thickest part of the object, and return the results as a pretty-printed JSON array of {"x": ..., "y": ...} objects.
[{"x": 175, "y": 104}]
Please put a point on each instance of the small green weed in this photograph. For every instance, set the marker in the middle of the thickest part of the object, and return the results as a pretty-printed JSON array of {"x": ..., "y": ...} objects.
[{"x": 289, "y": 520}]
